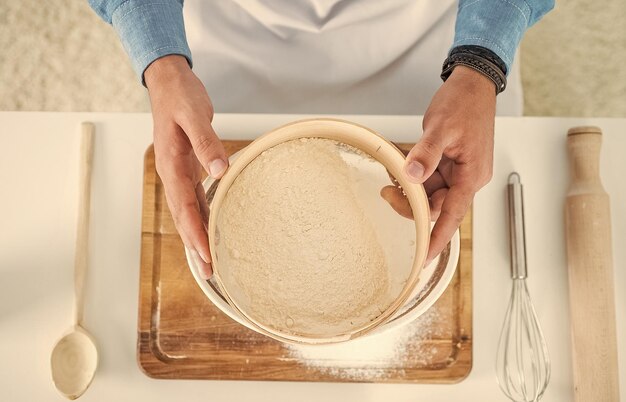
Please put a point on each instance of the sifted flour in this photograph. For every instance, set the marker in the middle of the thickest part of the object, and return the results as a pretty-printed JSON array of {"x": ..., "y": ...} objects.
[
  {"x": 378, "y": 356},
  {"x": 301, "y": 256}
]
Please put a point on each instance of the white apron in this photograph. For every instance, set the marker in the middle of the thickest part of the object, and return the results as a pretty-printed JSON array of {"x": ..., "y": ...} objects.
[{"x": 325, "y": 56}]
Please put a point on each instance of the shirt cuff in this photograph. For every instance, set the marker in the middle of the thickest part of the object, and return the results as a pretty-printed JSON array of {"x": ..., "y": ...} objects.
[
  {"x": 496, "y": 25},
  {"x": 150, "y": 30}
]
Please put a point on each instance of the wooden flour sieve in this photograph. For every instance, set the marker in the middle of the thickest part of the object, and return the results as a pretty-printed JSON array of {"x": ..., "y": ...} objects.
[{"x": 363, "y": 139}]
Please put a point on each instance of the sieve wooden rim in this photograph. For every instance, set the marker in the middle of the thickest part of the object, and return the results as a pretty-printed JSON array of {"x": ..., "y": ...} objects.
[{"x": 365, "y": 140}]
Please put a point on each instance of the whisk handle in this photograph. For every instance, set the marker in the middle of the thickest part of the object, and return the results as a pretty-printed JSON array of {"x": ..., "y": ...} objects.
[
  {"x": 590, "y": 271},
  {"x": 516, "y": 227}
]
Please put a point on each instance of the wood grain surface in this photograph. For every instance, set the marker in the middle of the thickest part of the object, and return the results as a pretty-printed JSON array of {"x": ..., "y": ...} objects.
[
  {"x": 590, "y": 271},
  {"x": 182, "y": 335}
]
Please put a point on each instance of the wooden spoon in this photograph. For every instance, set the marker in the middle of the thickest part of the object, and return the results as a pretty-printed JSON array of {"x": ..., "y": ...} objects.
[{"x": 75, "y": 357}]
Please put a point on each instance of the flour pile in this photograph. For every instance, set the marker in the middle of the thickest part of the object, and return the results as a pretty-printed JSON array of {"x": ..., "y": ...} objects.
[{"x": 299, "y": 253}]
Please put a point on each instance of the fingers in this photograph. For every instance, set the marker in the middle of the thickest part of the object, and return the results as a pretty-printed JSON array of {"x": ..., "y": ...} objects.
[
  {"x": 436, "y": 201},
  {"x": 206, "y": 145},
  {"x": 205, "y": 269},
  {"x": 189, "y": 214},
  {"x": 453, "y": 209},
  {"x": 435, "y": 182},
  {"x": 423, "y": 159},
  {"x": 398, "y": 201},
  {"x": 203, "y": 205},
  {"x": 188, "y": 218},
  {"x": 192, "y": 211}
]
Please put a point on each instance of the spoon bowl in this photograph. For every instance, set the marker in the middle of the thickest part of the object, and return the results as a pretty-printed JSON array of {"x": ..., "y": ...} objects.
[{"x": 73, "y": 362}]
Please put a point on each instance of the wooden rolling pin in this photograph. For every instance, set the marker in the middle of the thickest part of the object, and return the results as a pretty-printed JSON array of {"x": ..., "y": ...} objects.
[{"x": 590, "y": 271}]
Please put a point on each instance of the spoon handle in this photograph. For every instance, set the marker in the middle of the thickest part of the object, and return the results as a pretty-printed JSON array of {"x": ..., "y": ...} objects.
[{"x": 82, "y": 229}]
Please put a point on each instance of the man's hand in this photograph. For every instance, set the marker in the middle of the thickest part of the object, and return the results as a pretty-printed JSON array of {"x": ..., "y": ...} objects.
[
  {"x": 184, "y": 144},
  {"x": 454, "y": 157}
]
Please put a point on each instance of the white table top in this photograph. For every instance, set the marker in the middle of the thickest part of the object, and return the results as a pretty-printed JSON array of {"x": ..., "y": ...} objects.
[{"x": 38, "y": 174}]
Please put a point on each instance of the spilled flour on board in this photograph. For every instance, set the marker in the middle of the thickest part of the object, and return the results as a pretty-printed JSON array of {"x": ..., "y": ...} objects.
[{"x": 376, "y": 356}]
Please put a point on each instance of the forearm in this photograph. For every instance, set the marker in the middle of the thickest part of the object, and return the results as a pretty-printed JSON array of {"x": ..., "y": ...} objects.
[
  {"x": 497, "y": 25},
  {"x": 148, "y": 29}
]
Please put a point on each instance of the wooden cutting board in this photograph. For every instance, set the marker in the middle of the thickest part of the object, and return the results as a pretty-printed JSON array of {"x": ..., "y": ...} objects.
[{"x": 182, "y": 335}]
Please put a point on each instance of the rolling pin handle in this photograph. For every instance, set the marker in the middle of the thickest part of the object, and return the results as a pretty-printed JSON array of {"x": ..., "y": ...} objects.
[{"x": 584, "y": 148}]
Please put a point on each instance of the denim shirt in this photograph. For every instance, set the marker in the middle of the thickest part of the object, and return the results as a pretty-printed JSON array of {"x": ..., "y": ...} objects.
[{"x": 150, "y": 29}]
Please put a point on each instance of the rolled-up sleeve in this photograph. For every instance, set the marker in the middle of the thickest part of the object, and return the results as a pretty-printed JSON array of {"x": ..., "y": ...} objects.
[
  {"x": 498, "y": 25},
  {"x": 148, "y": 29}
]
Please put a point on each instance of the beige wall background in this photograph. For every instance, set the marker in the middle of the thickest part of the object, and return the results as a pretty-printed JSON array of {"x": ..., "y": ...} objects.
[{"x": 57, "y": 55}]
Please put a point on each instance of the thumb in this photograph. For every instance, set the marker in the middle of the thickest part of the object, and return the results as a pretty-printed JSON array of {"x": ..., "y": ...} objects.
[
  {"x": 424, "y": 158},
  {"x": 208, "y": 148}
]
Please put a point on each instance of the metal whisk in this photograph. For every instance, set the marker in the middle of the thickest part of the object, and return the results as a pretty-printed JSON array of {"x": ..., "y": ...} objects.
[{"x": 523, "y": 364}]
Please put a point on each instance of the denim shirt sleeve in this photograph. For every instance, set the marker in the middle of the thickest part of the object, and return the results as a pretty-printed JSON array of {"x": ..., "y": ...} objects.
[
  {"x": 148, "y": 29},
  {"x": 497, "y": 25}
]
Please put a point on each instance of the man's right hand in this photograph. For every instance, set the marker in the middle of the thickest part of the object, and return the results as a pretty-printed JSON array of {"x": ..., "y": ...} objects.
[{"x": 184, "y": 144}]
